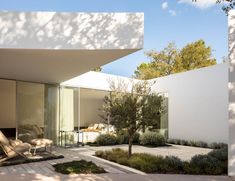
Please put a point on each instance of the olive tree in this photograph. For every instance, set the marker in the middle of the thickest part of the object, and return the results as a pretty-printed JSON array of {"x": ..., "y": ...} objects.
[{"x": 133, "y": 109}]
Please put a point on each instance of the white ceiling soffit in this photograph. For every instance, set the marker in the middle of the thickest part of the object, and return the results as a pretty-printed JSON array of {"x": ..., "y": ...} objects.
[{"x": 53, "y": 47}]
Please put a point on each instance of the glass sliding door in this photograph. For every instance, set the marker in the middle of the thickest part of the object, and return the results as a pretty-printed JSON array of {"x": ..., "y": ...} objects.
[
  {"x": 30, "y": 110},
  {"x": 51, "y": 113},
  {"x": 37, "y": 111},
  {"x": 69, "y": 108}
]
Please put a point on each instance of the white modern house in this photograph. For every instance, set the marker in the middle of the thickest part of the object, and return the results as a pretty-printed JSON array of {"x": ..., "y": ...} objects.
[
  {"x": 39, "y": 50},
  {"x": 197, "y": 101},
  {"x": 42, "y": 55}
]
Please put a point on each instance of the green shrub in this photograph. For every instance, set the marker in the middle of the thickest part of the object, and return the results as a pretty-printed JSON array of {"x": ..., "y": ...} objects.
[
  {"x": 220, "y": 154},
  {"x": 205, "y": 164},
  {"x": 214, "y": 163},
  {"x": 152, "y": 139},
  {"x": 172, "y": 164},
  {"x": 106, "y": 139},
  {"x": 78, "y": 167},
  {"x": 218, "y": 145},
  {"x": 184, "y": 142},
  {"x": 116, "y": 154},
  {"x": 146, "y": 162},
  {"x": 99, "y": 153},
  {"x": 201, "y": 144},
  {"x": 122, "y": 161},
  {"x": 192, "y": 143},
  {"x": 123, "y": 137}
]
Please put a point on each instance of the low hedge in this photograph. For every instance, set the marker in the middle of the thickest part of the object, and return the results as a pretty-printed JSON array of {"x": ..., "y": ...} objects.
[
  {"x": 200, "y": 144},
  {"x": 214, "y": 163},
  {"x": 106, "y": 139},
  {"x": 152, "y": 139}
]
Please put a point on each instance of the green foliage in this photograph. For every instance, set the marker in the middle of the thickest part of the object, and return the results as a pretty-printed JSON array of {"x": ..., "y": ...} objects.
[
  {"x": 172, "y": 164},
  {"x": 214, "y": 163},
  {"x": 98, "y": 69},
  {"x": 220, "y": 154},
  {"x": 229, "y": 5},
  {"x": 205, "y": 164},
  {"x": 145, "y": 162},
  {"x": 152, "y": 139},
  {"x": 132, "y": 110},
  {"x": 171, "y": 60},
  {"x": 78, "y": 167},
  {"x": 200, "y": 144},
  {"x": 218, "y": 145},
  {"x": 106, "y": 139},
  {"x": 123, "y": 137}
]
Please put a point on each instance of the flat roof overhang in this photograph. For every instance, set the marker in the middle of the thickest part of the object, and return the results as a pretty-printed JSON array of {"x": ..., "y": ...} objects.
[{"x": 51, "y": 47}]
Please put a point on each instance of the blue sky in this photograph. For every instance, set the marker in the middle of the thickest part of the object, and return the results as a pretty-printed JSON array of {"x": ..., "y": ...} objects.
[{"x": 179, "y": 21}]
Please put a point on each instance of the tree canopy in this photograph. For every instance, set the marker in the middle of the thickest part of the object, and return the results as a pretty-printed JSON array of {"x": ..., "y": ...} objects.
[
  {"x": 172, "y": 60},
  {"x": 98, "y": 69},
  {"x": 230, "y": 4},
  {"x": 132, "y": 110}
]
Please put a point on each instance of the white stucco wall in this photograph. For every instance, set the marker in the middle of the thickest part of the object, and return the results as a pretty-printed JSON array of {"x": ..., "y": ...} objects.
[
  {"x": 231, "y": 89},
  {"x": 52, "y": 47},
  {"x": 53, "y": 30},
  {"x": 198, "y": 102},
  {"x": 97, "y": 80}
]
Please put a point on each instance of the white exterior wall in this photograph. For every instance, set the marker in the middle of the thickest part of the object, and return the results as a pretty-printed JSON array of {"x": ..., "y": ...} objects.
[
  {"x": 51, "y": 47},
  {"x": 231, "y": 89},
  {"x": 198, "y": 102},
  {"x": 52, "y": 30}
]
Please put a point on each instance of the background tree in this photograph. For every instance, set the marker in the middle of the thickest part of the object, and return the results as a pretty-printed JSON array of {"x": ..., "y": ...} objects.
[
  {"x": 230, "y": 4},
  {"x": 132, "y": 110},
  {"x": 171, "y": 60},
  {"x": 98, "y": 69},
  {"x": 162, "y": 63},
  {"x": 195, "y": 55}
]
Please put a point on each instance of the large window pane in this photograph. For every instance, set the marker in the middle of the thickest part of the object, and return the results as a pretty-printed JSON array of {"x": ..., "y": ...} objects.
[
  {"x": 51, "y": 113},
  {"x": 30, "y": 110}
]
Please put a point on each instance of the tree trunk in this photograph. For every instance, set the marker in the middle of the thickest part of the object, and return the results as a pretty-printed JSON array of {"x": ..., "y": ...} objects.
[{"x": 130, "y": 146}]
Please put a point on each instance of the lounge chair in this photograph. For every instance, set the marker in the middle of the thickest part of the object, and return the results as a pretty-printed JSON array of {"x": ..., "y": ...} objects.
[
  {"x": 13, "y": 148},
  {"x": 33, "y": 135}
]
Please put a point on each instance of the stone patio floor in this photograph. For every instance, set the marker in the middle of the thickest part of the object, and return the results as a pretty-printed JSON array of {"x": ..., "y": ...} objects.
[{"x": 45, "y": 171}]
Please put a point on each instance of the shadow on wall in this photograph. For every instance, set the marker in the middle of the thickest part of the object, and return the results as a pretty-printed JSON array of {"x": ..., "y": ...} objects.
[{"x": 71, "y": 30}]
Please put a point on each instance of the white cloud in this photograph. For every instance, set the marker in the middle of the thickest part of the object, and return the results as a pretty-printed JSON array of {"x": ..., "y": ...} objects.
[
  {"x": 202, "y": 4},
  {"x": 172, "y": 12},
  {"x": 165, "y": 5}
]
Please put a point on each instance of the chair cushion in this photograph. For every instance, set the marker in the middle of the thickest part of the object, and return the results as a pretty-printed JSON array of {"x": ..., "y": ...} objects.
[
  {"x": 41, "y": 142},
  {"x": 15, "y": 142},
  {"x": 23, "y": 147}
]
